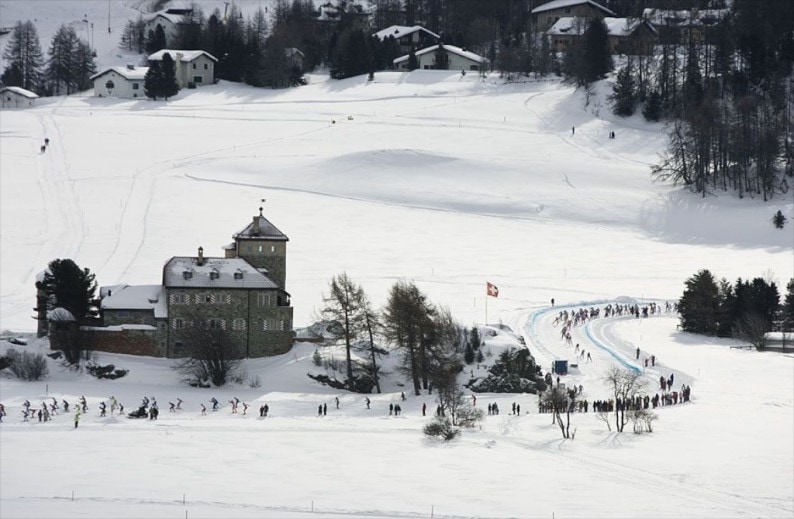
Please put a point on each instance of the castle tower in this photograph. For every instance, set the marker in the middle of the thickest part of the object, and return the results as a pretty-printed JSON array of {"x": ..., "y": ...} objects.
[{"x": 264, "y": 246}]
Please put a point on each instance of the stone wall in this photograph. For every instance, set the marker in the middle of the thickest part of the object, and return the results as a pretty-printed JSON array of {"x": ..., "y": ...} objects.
[{"x": 121, "y": 339}]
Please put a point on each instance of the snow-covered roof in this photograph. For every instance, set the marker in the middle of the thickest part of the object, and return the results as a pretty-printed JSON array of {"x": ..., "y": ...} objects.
[
  {"x": 684, "y": 18},
  {"x": 559, "y": 4},
  {"x": 135, "y": 297},
  {"x": 185, "y": 56},
  {"x": 449, "y": 48},
  {"x": 620, "y": 27},
  {"x": 129, "y": 72},
  {"x": 260, "y": 228},
  {"x": 398, "y": 31},
  {"x": 568, "y": 25},
  {"x": 21, "y": 91},
  {"x": 60, "y": 314},
  {"x": 185, "y": 272},
  {"x": 171, "y": 17}
]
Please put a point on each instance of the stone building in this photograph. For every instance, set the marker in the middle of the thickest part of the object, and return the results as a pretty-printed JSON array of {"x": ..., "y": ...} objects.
[{"x": 243, "y": 293}]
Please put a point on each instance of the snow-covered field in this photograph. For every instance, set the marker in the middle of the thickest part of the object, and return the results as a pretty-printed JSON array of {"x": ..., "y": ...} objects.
[{"x": 444, "y": 179}]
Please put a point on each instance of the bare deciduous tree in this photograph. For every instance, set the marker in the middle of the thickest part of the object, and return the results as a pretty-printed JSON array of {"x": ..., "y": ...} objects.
[
  {"x": 211, "y": 356},
  {"x": 625, "y": 385},
  {"x": 561, "y": 401}
]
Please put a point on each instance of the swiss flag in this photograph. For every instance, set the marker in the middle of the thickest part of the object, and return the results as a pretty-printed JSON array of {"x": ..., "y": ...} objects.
[{"x": 492, "y": 290}]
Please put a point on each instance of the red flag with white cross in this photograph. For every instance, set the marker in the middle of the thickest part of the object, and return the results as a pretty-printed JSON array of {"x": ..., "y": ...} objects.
[{"x": 493, "y": 291}]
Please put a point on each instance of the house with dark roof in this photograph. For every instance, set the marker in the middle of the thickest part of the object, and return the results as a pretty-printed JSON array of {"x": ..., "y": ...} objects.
[
  {"x": 243, "y": 293},
  {"x": 547, "y": 14}
]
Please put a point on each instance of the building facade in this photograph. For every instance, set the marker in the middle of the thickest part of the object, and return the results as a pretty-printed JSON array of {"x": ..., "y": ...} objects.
[
  {"x": 243, "y": 293},
  {"x": 193, "y": 67},
  {"x": 121, "y": 82},
  {"x": 547, "y": 14},
  {"x": 16, "y": 97},
  {"x": 443, "y": 57}
]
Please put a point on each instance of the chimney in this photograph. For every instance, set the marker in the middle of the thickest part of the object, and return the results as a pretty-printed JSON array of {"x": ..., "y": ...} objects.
[
  {"x": 130, "y": 67},
  {"x": 200, "y": 259},
  {"x": 255, "y": 229}
]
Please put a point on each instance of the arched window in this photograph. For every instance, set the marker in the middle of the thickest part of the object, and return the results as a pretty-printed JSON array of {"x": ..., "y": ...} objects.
[{"x": 110, "y": 85}]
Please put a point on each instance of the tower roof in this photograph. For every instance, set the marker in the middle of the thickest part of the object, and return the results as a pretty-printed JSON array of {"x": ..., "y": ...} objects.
[{"x": 260, "y": 228}]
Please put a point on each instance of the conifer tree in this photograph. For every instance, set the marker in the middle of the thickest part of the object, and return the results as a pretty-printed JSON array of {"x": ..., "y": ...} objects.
[
  {"x": 84, "y": 66},
  {"x": 700, "y": 304},
  {"x": 61, "y": 66},
  {"x": 788, "y": 306},
  {"x": 23, "y": 52},
  {"x": 652, "y": 109},
  {"x": 168, "y": 86},
  {"x": 153, "y": 81},
  {"x": 155, "y": 40},
  {"x": 624, "y": 96}
]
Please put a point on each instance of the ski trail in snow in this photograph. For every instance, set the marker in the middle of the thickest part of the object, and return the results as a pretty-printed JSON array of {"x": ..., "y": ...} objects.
[
  {"x": 65, "y": 227},
  {"x": 132, "y": 227}
]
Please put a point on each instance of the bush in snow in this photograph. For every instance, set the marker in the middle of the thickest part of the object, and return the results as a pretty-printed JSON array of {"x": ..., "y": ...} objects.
[
  {"x": 108, "y": 372},
  {"x": 515, "y": 371},
  {"x": 317, "y": 359},
  {"x": 27, "y": 366},
  {"x": 779, "y": 220},
  {"x": 442, "y": 428}
]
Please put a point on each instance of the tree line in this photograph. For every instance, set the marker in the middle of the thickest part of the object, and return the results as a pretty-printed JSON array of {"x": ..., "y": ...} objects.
[
  {"x": 727, "y": 98},
  {"x": 68, "y": 69},
  {"x": 745, "y": 310}
]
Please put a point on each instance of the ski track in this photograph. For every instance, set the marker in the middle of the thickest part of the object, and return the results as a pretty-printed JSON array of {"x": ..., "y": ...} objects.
[
  {"x": 63, "y": 218},
  {"x": 132, "y": 228},
  {"x": 597, "y": 334}
]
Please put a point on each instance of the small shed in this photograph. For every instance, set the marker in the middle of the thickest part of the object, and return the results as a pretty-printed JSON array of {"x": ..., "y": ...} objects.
[
  {"x": 16, "y": 97},
  {"x": 559, "y": 367}
]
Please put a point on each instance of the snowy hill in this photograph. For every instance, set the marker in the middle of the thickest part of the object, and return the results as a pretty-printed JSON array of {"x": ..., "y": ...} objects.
[{"x": 444, "y": 179}]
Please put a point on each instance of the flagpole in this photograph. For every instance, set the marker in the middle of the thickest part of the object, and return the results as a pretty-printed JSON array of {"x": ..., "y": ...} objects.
[{"x": 486, "y": 309}]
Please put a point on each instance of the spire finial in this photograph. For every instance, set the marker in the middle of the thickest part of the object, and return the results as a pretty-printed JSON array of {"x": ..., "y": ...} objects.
[{"x": 260, "y": 207}]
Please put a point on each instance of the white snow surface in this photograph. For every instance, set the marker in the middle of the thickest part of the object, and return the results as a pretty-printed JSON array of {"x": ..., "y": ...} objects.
[{"x": 443, "y": 179}]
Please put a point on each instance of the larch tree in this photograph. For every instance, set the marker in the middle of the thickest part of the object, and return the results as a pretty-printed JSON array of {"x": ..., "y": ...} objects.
[
  {"x": 406, "y": 318},
  {"x": 344, "y": 305},
  {"x": 23, "y": 52},
  {"x": 61, "y": 65}
]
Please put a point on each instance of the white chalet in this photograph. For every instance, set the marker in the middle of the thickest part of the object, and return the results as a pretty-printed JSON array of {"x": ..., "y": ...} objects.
[
  {"x": 169, "y": 20},
  {"x": 122, "y": 82},
  {"x": 443, "y": 57},
  {"x": 16, "y": 97},
  {"x": 193, "y": 67}
]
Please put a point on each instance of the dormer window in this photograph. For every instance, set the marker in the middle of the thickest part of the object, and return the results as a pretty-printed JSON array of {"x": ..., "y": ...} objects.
[
  {"x": 238, "y": 274},
  {"x": 214, "y": 274},
  {"x": 187, "y": 275}
]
